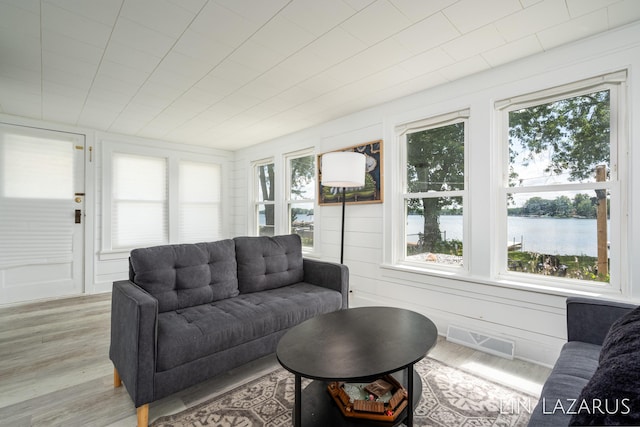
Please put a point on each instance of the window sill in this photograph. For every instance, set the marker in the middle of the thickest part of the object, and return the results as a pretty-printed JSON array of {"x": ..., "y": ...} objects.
[
  {"x": 311, "y": 254},
  {"x": 446, "y": 277},
  {"x": 110, "y": 255}
]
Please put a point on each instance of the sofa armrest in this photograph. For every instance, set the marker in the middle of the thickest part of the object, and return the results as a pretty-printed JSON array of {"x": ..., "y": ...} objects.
[
  {"x": 329, "y": 275},
  {"x": 589, "y": 319},
  {"x": 134, "y": 319}
]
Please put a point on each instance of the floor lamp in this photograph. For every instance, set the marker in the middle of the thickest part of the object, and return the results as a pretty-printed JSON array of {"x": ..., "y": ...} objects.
[{"x": 343, "y": 169}]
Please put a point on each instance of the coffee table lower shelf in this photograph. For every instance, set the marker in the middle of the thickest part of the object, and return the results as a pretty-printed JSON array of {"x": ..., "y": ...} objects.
[{"x": 320, "y": 410}]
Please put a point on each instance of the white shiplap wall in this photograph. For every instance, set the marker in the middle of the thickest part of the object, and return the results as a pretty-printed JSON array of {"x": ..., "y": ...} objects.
[{"x": 534, "y": 319}]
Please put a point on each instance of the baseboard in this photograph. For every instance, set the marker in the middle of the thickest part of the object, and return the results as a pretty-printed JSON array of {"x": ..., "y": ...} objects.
[{"x": 480, "y": 341}]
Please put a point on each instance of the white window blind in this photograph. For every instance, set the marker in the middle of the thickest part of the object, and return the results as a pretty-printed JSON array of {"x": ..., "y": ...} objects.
[
  {"x": 36, "y": 168},
  {"x": 36, "y": 193},
  {"x": 139, "y": 201},
  {"x": 200, "y": 208}
]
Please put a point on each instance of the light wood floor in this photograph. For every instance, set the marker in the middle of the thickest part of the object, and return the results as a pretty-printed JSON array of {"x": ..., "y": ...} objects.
[{"x": 55, "y": 369}]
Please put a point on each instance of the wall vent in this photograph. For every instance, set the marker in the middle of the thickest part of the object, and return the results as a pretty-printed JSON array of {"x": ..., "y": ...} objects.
[{"x": 497, "y": 346}]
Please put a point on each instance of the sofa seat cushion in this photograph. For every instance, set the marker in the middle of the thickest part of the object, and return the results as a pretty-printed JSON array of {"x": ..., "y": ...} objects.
[
  {"x": 190, "y": 333},
  {"x": 572, "y": 371}
]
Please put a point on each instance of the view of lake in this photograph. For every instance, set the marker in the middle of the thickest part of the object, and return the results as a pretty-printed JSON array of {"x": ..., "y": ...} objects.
[{"x": 557, "y": 236}]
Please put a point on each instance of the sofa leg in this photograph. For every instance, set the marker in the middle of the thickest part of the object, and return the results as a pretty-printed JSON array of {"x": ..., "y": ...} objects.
[
  {"x": 143, "y": 415},
  {"x": 117, "y": 381}
]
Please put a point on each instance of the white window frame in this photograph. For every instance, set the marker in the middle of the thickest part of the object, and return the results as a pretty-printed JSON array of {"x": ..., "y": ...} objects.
[
  {"x": 173, "y": 158},
  {"x": 288, "y": 202},
  {"x": 254, "y": 223},
  {"x": 164, "y": 202},
  {"x": 616, "y": 185},
  {"x": 398, "y": 232}
]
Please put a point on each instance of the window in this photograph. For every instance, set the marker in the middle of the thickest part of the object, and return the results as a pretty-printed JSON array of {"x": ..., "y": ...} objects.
[
  {"x": 264, "y": 180},
  {"x": 434, "y": 189},
  {"x": 293, "y": 177},
  {"x": 561, "y": 197},
  {"x": 154, "y": 196},
  {"x": 200, "y": 188},
  {"x": 301, "y": 197},
  {"x": 138, "y": 201},
  {"x": 35, "y": 167}
]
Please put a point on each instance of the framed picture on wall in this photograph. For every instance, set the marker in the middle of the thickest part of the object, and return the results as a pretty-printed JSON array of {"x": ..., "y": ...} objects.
[{"x": 372, "y": 190}]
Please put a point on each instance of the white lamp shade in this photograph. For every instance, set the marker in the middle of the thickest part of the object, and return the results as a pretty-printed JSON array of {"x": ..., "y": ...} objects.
[{"x": 343, "y": 169}]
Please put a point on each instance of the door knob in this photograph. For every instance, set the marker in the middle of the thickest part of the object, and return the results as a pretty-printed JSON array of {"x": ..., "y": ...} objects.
[{"x": 78, "y": 199}]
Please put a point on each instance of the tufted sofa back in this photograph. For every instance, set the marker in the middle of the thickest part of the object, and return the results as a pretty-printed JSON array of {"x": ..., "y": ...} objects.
[
  {"x": 180, "y": 276},
  {"x": 268, "y": 262}
]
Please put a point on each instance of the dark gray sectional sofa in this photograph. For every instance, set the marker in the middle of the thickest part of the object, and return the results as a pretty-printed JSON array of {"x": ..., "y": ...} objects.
[
  {"x": 192, "y": 311},
  {"x": 596, "y": 379}
]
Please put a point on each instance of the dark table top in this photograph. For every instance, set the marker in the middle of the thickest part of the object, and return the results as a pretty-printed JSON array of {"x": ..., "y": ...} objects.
[{"x": 356, "y": 344}]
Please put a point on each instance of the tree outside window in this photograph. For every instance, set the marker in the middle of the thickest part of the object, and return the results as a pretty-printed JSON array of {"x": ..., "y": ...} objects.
[
  {"x": 301, "y": 198},
  {"x": 559, "y": 186},
  {"x": 265, "y": 201},
  {"x": 435, "y": 192}
]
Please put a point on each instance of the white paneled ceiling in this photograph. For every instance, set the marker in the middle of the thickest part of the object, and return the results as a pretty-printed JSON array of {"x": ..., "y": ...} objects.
[{"x": 232, "y": 73}]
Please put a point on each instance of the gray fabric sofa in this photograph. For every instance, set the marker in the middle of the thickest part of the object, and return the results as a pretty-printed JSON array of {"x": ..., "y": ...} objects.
[
  {"x": 581, "y": 376},
  {"x": 192, "y": 311}
]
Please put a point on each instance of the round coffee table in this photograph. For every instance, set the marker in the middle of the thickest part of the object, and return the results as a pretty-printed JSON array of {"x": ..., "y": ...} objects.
[{"x": 354, "y": 345}]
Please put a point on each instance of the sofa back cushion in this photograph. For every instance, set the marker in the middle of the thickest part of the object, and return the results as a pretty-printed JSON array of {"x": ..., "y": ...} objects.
[
  {"x": 268, "y": 262},
  {"x": 180, "y": 276}
]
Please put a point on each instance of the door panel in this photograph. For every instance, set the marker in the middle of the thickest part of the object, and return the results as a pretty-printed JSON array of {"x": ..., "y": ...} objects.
[{"x": 41, "y": 186}]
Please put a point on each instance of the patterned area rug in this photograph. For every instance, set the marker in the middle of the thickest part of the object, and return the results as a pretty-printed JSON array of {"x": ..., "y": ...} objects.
[{"x": 450, "y": 397}]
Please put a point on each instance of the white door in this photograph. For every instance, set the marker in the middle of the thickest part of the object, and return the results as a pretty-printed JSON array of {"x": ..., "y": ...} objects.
[{"x": 41, "y": 213}]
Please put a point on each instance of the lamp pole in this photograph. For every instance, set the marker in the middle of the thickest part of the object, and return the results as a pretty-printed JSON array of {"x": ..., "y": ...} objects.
[{"x": 342, "y": 235}]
